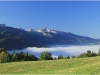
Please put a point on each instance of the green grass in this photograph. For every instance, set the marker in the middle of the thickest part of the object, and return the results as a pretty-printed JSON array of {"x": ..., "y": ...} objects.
[{"x": 63, "y": 66}]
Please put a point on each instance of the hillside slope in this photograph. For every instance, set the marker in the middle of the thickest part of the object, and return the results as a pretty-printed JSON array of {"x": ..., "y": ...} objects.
[
  {"x": 49, "y": 36},
  {"x": 63, "y": 66},
  {"x": 13, "y": 41}
]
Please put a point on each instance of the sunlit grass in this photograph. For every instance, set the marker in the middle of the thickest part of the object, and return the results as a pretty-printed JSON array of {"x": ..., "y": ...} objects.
[{"x": 63, "y": 66}]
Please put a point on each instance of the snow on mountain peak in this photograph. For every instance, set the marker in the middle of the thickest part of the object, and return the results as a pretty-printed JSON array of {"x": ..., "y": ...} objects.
[
  {"x": 46, "y": 29},
  {"x": 49, "y": 30},
  {"x": 67, "y": 32}
]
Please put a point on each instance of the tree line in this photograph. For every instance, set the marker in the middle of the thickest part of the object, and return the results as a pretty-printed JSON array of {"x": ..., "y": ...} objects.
[
  {"x": 45, "y": 55},
  {"x": 7, "y": 57}
]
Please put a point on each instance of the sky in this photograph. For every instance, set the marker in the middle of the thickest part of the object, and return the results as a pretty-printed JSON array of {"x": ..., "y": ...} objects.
[{"x": 78, "y": 17}]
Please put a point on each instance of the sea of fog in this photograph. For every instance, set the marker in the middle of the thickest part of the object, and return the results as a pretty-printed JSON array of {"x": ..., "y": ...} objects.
[{"x": 60, "y": 50}]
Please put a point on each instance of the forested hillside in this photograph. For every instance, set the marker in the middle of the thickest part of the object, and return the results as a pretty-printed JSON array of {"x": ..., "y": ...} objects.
[{"x": 13, "y": 41}]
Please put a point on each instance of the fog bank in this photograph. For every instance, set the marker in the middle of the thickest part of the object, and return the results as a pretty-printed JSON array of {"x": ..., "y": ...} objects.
[{"x": 61, "y": 50}]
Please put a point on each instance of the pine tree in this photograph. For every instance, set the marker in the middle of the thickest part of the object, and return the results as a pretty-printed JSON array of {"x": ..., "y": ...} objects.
[
  {"x": 15, "y": 56},
  {"x": 26, "y": 56},
  {"x": 21, "y": 56}
]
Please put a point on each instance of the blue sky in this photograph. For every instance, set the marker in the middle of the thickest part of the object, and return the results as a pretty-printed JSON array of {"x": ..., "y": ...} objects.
[{"x": 78, "y": 17}]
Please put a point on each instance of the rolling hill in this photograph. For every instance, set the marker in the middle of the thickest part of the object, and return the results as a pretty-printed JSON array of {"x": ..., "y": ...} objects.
[{"x": 90, "y": 65}]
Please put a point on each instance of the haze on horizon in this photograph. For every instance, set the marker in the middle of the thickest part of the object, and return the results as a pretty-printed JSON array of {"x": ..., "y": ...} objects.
[{"x": 79, "y": 17}]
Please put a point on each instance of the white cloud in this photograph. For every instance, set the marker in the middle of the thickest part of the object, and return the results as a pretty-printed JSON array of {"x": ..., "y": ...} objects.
[{"x": 62, "y": 50}]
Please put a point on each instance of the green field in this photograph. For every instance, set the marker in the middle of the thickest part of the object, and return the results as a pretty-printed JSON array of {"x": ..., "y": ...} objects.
[{"x": 63, "y": 66}]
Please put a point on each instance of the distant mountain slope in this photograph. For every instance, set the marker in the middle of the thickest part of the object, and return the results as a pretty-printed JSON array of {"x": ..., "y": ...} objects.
[
  {"x": 13, "y": 41},
  {"x": 22, "y": 33},
  {"x": 14, "y": 38},
  {"x": 60, "y": 37}
]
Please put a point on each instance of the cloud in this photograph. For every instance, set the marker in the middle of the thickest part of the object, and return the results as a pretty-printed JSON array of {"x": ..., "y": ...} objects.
[{"x": 62, "y": 50}]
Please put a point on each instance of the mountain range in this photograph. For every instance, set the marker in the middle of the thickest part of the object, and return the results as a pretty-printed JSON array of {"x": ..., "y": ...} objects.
[{"x": 18, "y": 38}]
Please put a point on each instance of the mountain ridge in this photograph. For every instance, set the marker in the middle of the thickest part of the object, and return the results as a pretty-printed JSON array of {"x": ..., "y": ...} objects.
[{"x": 43, "y": 37}]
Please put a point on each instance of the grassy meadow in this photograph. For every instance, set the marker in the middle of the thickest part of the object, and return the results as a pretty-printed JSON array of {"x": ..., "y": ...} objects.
[{"x": 62, "y": 66}]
